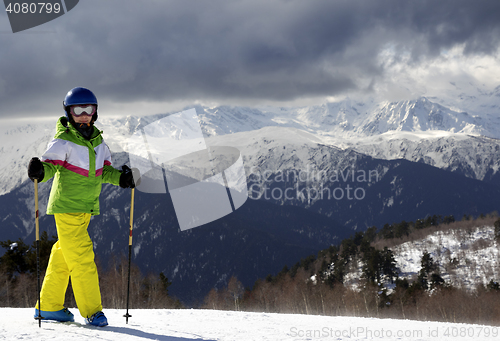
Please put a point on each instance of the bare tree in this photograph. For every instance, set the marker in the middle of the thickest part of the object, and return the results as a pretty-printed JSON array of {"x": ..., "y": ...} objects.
[{"x": 235, "y": 289}]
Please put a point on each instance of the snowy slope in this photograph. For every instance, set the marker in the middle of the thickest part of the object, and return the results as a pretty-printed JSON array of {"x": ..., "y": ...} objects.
[
  {"x": 475, "y": 250},
  {"x": 466, "y": 258},
  {"x": 179, "y": 325},
  {"x": 474, "y": 98},
  {"x": 474, "y": 156},
  {"x": 19, "y": 142}
]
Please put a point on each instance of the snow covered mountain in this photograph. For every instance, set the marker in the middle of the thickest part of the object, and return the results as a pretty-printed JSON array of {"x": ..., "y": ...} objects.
[
  {"x": 353, "y": 119},
  {"x": 417, "y": 130},
  {"x": 423, "y": 115},
  {"x": 474, "y": 156},
  {"x": 19, "y": 142}
]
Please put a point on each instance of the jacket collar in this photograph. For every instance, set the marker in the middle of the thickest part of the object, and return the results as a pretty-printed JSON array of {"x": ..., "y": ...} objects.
[{"x": 64, "y": 126}]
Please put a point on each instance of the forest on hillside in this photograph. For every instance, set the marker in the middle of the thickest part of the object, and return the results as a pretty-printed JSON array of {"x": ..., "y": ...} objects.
[{"x": 317, "y": 284}]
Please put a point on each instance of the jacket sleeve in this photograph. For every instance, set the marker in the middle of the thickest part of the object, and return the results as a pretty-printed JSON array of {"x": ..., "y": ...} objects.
[
  {"x": 53, "y": 158},
  {"x": 109, "y": 174}
]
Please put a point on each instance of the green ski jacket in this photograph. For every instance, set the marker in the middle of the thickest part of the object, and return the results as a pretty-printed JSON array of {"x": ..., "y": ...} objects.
[{"x": 79, "y": 167}]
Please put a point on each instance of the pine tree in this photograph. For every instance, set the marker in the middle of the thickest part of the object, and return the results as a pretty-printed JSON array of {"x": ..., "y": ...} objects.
[
  {"x": 164, "y": 282},
  {"x": 21, "y": 258},
  {"x": 387, "y": 231},
  {"x": 427, "y": 266},
  {"x": 496, "y": 224},
  {"x": 372, "y": 261},
  {"x": 493, "y": 285},
  {"x": 389, "y": 264},
  {"x": 402, "y": 229}
]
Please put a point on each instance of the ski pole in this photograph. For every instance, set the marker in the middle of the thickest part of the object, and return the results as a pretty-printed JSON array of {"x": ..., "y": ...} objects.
[
  {"x": 127, "y": 315},
  {"x": 37, "y": 232}
]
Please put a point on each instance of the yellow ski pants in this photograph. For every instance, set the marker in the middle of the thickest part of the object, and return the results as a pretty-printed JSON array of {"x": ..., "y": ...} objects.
[{"x": 72, "y": 255}]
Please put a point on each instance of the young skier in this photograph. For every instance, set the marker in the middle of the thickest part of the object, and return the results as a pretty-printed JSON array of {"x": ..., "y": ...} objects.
[{"x": 80, "y": 162}]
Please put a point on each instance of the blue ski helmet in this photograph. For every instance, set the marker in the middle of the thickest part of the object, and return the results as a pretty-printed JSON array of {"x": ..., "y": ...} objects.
[{"x": 79, "y": 96}]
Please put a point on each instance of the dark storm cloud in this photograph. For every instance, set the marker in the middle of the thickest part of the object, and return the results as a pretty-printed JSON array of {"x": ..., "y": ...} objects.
[
  {"x": 231, "y": 50},
  {"x": 437, "y": 25}
]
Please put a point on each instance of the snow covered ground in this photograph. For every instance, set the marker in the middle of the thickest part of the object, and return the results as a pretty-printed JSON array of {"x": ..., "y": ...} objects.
[{"x": 189, "y": 324}]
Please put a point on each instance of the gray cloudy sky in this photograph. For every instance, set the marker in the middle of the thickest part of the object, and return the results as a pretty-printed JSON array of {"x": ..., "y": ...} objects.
[{"x": 145, "y": 57}]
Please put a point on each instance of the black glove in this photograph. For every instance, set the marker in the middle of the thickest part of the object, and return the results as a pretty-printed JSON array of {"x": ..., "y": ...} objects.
[
  {"x": 35, "y": 169},
  {"x": 127, "y": 177}
]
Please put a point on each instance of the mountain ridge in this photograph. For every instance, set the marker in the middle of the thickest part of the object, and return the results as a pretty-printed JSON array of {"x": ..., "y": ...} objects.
[{"x": 346, "y": 124}]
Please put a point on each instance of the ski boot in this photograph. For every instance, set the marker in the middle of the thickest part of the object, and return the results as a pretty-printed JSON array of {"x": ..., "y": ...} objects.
[
  {"x": 98, "y": 319},
  {"x": 63, "y": 315}
]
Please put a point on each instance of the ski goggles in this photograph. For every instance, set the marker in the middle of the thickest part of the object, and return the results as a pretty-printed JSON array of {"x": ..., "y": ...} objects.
[{"x": 79, "y": 110}]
